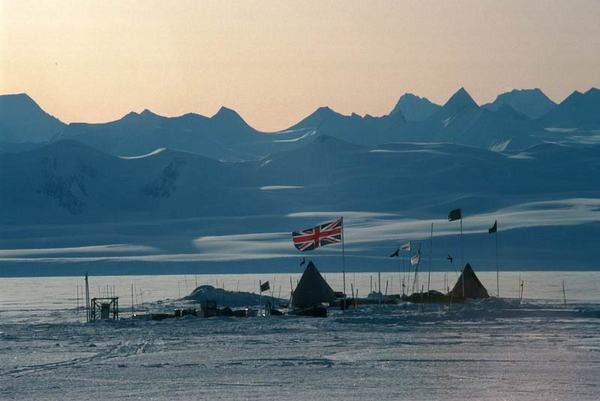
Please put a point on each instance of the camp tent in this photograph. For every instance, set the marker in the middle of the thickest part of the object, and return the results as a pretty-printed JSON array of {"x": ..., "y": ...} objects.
[
  {"x": 472, "y": 285},
  {"x": 312, "y": 290}
]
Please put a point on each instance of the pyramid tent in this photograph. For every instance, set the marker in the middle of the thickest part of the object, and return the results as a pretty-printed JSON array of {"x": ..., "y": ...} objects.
[
  {"x": 312, "y": 290},
  {"x": 472, "y": 286}
]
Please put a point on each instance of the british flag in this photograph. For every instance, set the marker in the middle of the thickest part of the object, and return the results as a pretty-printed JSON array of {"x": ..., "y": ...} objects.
[{"x": 321, "y": 235}]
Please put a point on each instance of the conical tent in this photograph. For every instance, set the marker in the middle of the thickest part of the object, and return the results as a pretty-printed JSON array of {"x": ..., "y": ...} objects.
[
  {"x": 312, "y": 290},
  {"x": 472, "y": 285}
]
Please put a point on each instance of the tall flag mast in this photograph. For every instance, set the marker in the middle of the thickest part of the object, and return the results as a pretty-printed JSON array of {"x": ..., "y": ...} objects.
[
  {"x": 430, "y": 255},
  {"x": 343, "y": 259},
  {"x": 494, "y": 230}
]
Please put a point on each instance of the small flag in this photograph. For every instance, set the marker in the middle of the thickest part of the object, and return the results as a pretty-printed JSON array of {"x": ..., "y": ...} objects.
[
  {"x": 415, "y": 259},
  {"x": 494, "y": 228},
  {"x": 455, "y": 214},
  {"x": 321, "y": 235},
  {"x": 395, "y": 254},
  {"x": 265, "y": 286},
  {"x": 303, "y": 262},
  {"x": 405, "y": 246},
  {"x": 450, "y": 258}
]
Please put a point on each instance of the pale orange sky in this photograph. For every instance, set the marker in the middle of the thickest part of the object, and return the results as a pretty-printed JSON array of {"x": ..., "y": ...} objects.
[{"x": 277, "y": 61}]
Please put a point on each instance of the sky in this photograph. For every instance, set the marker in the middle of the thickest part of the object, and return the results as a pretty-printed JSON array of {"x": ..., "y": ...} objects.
[{"x": 277, "y": 61}]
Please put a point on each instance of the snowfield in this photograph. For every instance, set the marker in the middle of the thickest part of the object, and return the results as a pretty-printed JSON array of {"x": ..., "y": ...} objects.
[{"x": 498, "y": 349}]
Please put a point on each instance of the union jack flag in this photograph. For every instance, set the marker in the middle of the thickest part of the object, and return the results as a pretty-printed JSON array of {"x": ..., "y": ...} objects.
[{"x": 321, "y": 235}]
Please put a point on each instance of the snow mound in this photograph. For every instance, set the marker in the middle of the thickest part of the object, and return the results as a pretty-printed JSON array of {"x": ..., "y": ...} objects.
[{"x": 229, "y": 298}]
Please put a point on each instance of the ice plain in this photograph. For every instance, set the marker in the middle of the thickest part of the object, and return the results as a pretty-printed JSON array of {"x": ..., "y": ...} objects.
[{"x": 498, "y": 349}]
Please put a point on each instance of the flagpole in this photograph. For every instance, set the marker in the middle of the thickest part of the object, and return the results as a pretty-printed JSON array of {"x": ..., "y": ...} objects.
[
  {"x": 87, "y": 299},
  {"x": 399, "y": 272},
  {"x": 462, "y": 248},
  {"x": 343, "y": 259},
  {"x": 497, "y": 268},
  {"x": 404, "y": 272},
  {"x": 462, "y": 255},
  {"x": 408, "y": 273},
  {"x": 430, "y": 253}
]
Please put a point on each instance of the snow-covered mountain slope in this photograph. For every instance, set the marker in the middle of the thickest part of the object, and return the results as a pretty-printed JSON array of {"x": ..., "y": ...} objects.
[
  {"x": 67, "y": 180},
  {"x": 73, "y": 182}
]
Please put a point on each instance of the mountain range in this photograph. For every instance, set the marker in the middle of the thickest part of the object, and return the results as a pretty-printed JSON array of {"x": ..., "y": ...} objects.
[
  {"x": 196, "y": 188},
  {"x": 514, "y": 121}
]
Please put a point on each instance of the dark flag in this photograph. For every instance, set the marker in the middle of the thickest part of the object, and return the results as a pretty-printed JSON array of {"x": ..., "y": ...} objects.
[
  {"x": 265, "y": 286},
  {"x": 454, "y": 215},
  {"x": 395, "y": 254},
  {"x": 450, "y": 258},
  {"x": 303, "y": 262},
  {"x": 493, "y": 229}
]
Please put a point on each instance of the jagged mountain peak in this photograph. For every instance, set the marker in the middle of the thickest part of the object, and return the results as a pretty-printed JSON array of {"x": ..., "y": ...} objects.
[
  {"x": 532, "y": 103},
  {"x": 148, "y": 113},
  {"x": 226, "y": 113},
  {"x": 461, "y": 98},
  {"x": 578, "y": 110},
  {"x": 414, "y": 108},
  {"x": 459, "y": 103},
  {"x": 324, "y": 111}
]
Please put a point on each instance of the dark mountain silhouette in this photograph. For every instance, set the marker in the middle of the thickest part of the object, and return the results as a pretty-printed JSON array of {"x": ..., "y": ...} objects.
[
  {"x": 226, "y": 136},
  {"x": 532, "y": 103},
  {"x": 462, "y": 121},
  {"x": 579, "y": 110},
  {"x": 414, "y": 108},
  {"x": 365, "y": 130},
  {"x": 23, "y": 121}
]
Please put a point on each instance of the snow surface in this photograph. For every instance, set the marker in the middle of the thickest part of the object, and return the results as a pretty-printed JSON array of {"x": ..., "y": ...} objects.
[
  {"x": 498, "y": 349},
  {"x": 278, "y": 187},
  {"x": 306, "y": 135},
  {"x": 369, "y": 238},
  {"x": 500, "y": 147},
  {"x": 154, "y": 152}
]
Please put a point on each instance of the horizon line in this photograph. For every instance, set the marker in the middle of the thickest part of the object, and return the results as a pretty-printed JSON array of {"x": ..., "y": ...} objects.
[{"x": 224, "y": 107}]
